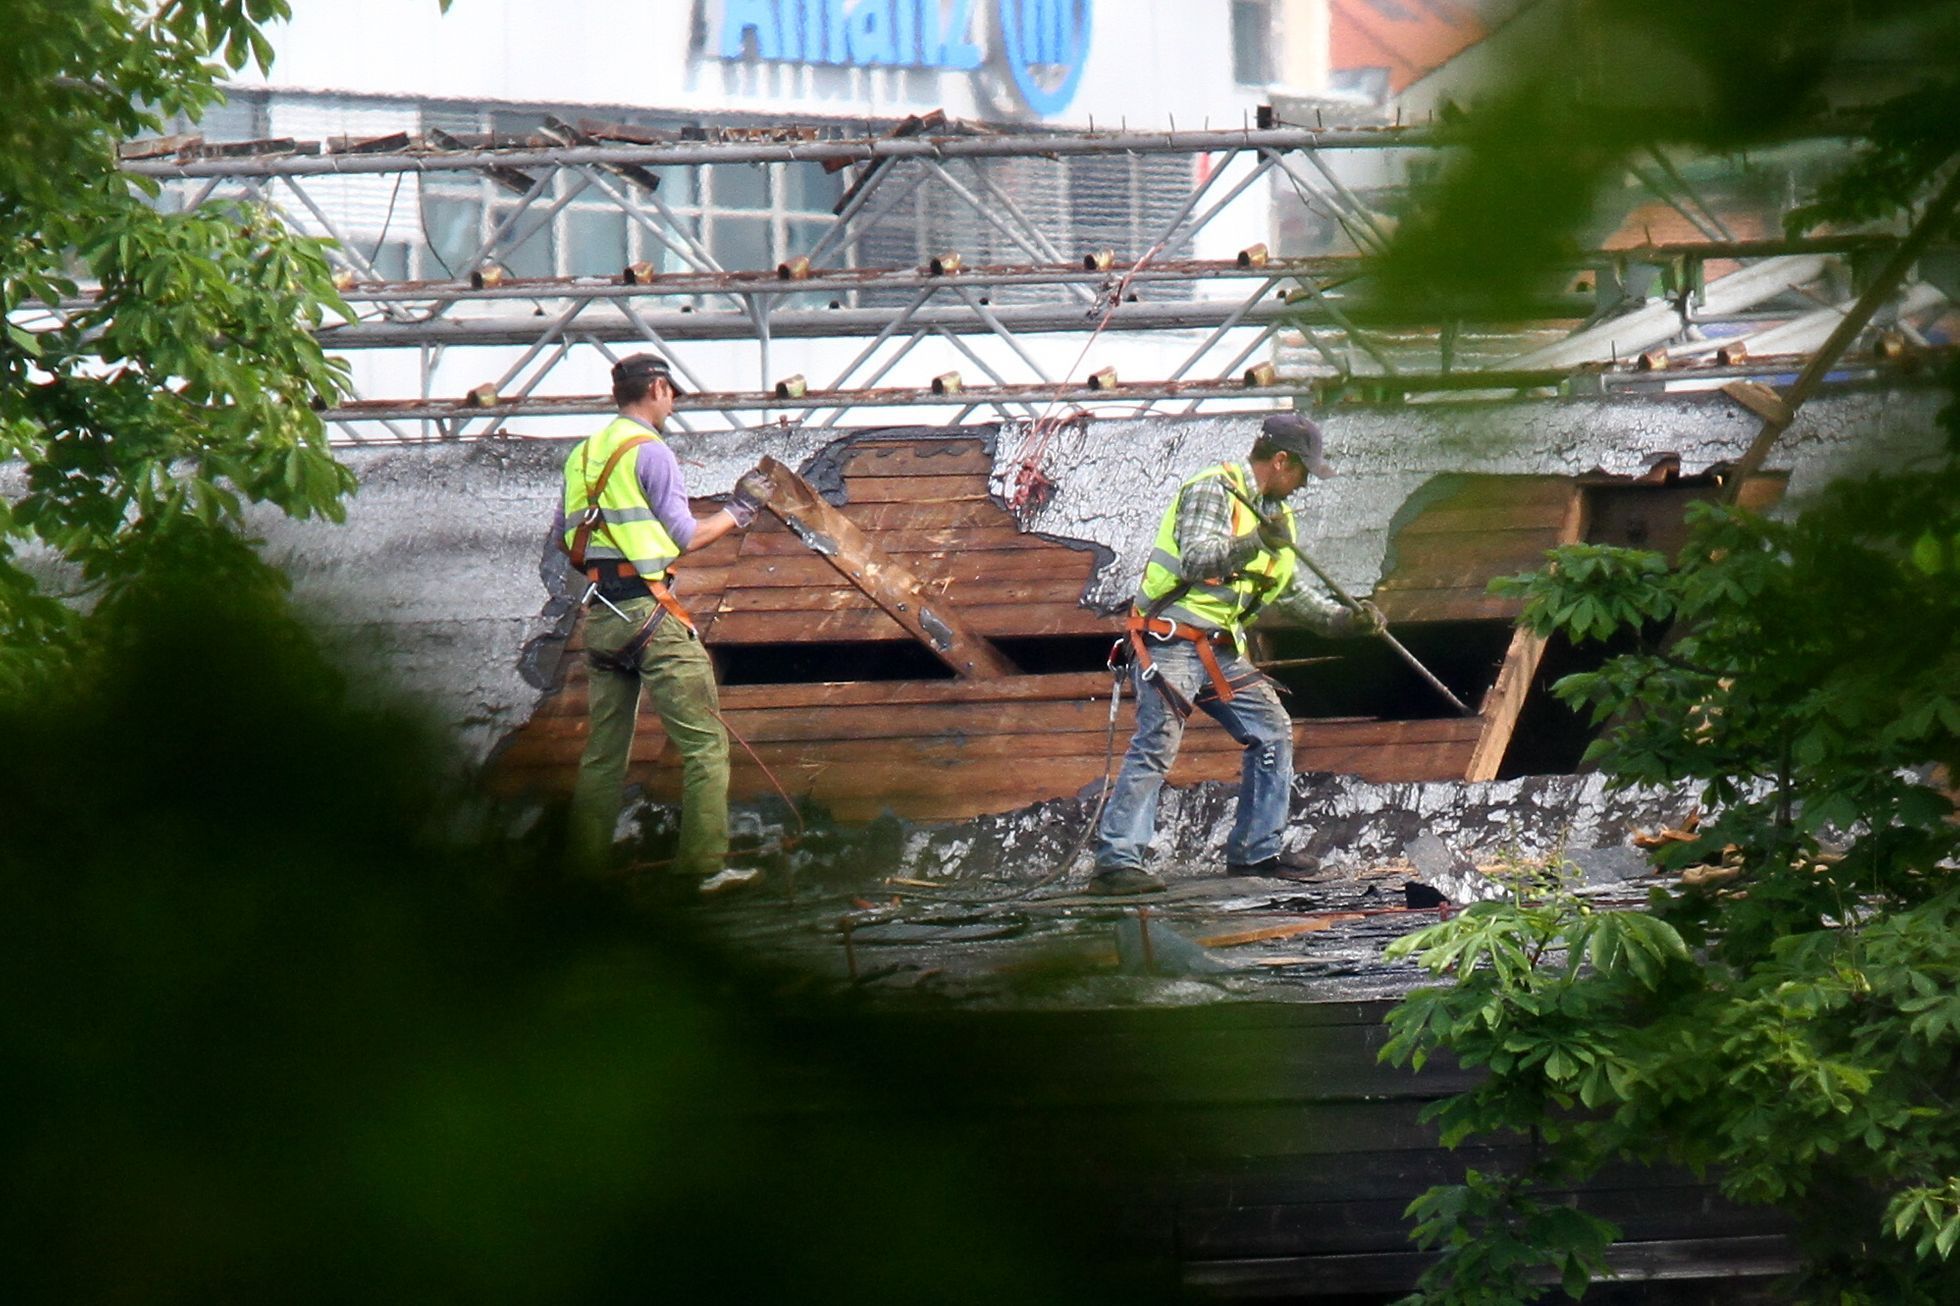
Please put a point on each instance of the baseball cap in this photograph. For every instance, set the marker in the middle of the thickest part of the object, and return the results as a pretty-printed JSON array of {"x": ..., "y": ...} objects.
[
  {"x": 1299, "y": 436},
  {"x": 645, "y": 367}
]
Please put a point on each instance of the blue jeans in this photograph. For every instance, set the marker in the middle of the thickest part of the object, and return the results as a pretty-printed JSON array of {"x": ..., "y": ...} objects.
[{"x": 1254, "y": 718}]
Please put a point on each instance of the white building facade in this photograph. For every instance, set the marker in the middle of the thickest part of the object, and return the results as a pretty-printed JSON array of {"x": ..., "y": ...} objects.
[{"x": 371, "y": 68}]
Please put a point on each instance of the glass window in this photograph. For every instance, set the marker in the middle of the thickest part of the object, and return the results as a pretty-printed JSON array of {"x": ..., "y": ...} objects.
[
  {"x": 742, "y": 244},
  {"x": 803, "y": 237},
  {"x": 391, "y": 260},
  {"x": 740, "y": 186},
  {"x": 809, "y": 189},
  {"x": 455, "y": 228},
  {"x": 676, "y": 186},
  {"x": 536, "y": 256},
  {"x": 595, "y": 242},
  {"x": 515, "y": 122}
]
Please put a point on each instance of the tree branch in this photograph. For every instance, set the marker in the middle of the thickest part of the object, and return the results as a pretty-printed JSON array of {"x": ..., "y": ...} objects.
[{"x": 1854, "y": 321}]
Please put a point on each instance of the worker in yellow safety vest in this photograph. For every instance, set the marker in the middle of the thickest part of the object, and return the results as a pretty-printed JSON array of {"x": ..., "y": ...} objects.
[
  {"x": 624, "y": 521},
  {"x": 1215, "y": 566}
]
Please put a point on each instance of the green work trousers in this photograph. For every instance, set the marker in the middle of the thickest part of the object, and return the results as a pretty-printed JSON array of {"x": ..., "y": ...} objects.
[{"x": 678, "y": 677}]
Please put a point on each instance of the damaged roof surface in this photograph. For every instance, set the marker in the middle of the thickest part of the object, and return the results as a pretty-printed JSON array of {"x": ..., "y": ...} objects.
[{"x": 992, "y": 913}]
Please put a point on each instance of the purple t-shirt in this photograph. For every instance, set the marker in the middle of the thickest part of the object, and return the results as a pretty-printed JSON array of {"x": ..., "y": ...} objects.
[{"x": 659, "y": 475}]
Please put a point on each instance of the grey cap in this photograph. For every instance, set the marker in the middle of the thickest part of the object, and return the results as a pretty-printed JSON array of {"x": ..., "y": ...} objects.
[
  {"x": 645, "y": 367},
  {"x": 1299, "y": 436}
]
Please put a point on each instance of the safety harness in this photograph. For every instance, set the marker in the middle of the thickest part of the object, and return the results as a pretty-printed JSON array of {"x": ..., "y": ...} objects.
[
  {"x": 1143, "y": 627},
  {"x": 626, "y": 660}
]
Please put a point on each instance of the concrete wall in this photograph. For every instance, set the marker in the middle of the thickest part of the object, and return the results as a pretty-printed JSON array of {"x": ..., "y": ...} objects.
[{"x": 444, "y": 578}]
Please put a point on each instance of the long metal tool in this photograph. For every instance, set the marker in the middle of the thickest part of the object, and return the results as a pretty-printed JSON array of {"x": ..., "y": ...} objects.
[{"x": 1355, "y": 604}]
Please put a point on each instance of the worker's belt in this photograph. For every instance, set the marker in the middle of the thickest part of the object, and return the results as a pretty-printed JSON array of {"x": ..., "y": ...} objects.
[
  {"x": 1142, "y": 630},
  {"x": 626, "y": 660}
]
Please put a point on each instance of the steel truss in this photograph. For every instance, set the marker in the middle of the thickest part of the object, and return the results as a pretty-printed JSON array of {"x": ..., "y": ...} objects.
[
  {"x": 1129, "y": 399},
  {"x": 1094, "y": 300}
]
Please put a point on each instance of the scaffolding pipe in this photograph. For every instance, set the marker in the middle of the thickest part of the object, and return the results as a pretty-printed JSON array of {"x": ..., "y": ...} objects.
[{"x": 698, "y": 153}]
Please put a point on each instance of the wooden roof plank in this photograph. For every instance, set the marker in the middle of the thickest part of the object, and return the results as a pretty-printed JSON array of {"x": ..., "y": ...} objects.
[{"x": 929, "y": 618}]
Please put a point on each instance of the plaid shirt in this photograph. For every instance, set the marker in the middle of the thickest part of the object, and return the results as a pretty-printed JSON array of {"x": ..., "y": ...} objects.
[{"x": 1209, "y": 548}]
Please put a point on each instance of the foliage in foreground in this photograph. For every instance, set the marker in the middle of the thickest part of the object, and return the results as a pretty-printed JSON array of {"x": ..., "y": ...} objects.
[
  {"x": 1794, "y": 1025},
  {"x": 145, "y": 418},
  {"x": 292, "y": 1016}
]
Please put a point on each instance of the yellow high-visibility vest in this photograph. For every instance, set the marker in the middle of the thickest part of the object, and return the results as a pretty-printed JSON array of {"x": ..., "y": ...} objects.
[
  {"x": 1215, "y": 602},
  {"x": 627, "y": 530}
]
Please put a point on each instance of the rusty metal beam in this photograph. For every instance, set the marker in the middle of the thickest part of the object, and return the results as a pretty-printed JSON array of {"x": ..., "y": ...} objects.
[
  {"x": 1322, "y": 390},
  {"x": 697, "y": 153},
  {"x": 844, "y": 281},
  {"x": 931, "y": 619}
]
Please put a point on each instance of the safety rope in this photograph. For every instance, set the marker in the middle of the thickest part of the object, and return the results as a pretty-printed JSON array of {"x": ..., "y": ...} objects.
[
  {"x": 790, "y": 841},
  {"x": 1031, "y": 487},
  {"x": 1088, "y": 829}
]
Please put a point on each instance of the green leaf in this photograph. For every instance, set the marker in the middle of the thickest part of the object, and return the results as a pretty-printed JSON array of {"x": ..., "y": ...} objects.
[
  {"x": 1929, "y": 553},
  {"x": 26, "y": 341}
]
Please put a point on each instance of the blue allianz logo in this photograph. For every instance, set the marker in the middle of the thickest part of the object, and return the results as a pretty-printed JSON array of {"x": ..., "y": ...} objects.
[{"x": 1044, "y": 44}]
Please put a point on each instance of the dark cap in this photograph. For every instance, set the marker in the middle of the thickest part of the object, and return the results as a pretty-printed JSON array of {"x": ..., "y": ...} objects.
[
  {"x": 1300, "y": 437},
  {"x": 645, "y": 367}
]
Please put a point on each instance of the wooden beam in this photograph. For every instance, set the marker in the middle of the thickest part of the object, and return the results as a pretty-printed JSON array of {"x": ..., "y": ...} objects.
[
  {"x": 929, "y": 618},
  {"x": 1931, "y": 220},
  {"x": 1505, "y": 701}
]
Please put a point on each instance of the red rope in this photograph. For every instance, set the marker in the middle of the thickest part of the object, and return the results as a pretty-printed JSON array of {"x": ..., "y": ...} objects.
[
  {"x": 1031, "y": 487},
  {"x": 796, "y": 813}
]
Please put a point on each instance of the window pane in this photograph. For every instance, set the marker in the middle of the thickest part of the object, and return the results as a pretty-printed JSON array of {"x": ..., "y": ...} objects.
[
  {"x": 742, "y": 244},
  {"x": 803, "y": 237},
  {"x": 454, "y": 226},
  {"x": 595, "y": 243},
  {"x": 740, "y": 186},
  {"x": 811, "y": 189},
  {"x": 536, "y": 256},
  {"x": 392, "y": 260},
  {"x": 676, "y": 186},
  {"x": 515, "y": 122}
]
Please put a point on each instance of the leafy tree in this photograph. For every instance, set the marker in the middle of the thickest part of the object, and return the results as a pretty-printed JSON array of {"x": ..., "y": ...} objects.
[
  {"x": 1793, "y": 1022},
  {"x": 146, "y": 416},
  {"x": 1787, "y": 1022}
]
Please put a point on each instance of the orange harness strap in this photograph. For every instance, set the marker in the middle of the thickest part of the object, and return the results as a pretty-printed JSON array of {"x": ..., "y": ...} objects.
[{"x": 1162, "y": 628}]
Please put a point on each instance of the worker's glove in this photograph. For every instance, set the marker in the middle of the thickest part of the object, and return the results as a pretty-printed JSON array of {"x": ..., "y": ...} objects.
[
  {"x": 751, "y": 492},
  {"x": 1274, "y": 535},
  {"x": 1365, "y": 620}
]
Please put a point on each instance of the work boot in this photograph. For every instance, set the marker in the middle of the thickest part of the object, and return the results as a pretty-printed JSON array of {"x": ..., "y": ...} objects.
[
  {"x": 1301, "y": 866},
  {"x": 1121, "y": 881},
  {"x": 728, "y": 878}
]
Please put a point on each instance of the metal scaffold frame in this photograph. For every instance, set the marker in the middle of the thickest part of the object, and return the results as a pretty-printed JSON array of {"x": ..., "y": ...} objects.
[{"x": 1091, "y": 301}]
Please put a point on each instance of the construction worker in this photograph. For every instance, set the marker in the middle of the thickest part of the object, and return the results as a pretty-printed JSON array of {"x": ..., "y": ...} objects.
[
  {"x": 625, "y": 519},
  {"x": 1215, "y": 566}
]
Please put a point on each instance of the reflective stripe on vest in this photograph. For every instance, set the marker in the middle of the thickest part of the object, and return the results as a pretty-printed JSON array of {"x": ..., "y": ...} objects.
[
  {"x": 627, "y": 528},
  {"x": 1215, "y": 603}
]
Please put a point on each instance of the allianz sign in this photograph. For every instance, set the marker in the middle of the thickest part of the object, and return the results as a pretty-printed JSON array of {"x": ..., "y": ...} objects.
[{"x": 1044, "y": 44}]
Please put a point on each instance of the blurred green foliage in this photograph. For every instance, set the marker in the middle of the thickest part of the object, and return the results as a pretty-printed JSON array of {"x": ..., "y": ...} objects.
[
  {"x": 291, "y": 1016},
  {"x": 1567, "y": 111},
  {"x": 1791, "y": 1026}
]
